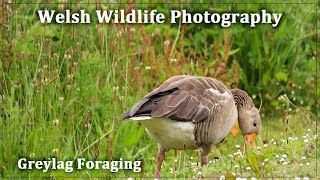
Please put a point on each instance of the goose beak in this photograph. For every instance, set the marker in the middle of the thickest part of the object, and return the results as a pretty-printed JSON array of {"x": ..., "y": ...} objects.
[{"x": 249, "y": 139}]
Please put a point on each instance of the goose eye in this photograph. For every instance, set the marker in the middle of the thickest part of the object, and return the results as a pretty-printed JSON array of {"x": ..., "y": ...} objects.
[{"x": 254, "y": 124}]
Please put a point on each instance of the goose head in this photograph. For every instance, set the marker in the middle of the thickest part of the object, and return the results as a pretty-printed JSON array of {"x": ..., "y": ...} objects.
[{"x": 248, "y": 116}]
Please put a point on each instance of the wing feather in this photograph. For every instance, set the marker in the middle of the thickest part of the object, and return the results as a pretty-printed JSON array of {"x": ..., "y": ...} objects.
[{"x": 182, "y": 98}]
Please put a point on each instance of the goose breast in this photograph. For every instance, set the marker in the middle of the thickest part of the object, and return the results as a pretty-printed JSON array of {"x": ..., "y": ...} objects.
[{"x": 169, "y": 133}]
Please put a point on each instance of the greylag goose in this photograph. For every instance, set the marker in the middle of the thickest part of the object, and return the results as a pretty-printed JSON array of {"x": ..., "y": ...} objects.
[{"x": 188, "y": 112}]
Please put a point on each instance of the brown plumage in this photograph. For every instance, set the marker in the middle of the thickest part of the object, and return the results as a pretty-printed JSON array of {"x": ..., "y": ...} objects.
[
  {"x": 188, "y": 112},
  {"x": 188, "y": 98}
]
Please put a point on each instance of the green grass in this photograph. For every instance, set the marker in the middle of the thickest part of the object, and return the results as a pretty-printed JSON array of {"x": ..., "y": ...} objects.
[{"x": 63, "y": 88}]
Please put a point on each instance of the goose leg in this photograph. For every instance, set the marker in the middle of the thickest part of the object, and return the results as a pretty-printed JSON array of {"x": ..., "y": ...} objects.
[
  {"x": 160, "y": 158},
  {"x": 204, "y": 155},
  {"x": 204, "y": 160}
]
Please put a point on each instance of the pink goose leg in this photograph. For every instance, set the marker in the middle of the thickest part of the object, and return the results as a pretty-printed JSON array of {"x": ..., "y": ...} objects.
[
  {"x": 204, "y": 157},
  {"x": 160, "y": 158},
  {"x": 204, "y": 160}
]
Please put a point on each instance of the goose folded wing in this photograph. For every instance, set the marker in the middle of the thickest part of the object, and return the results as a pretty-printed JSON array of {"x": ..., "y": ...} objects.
[{"x": 188, "y": 99}]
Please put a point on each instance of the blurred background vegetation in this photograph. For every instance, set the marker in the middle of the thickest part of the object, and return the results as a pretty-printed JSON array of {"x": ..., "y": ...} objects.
[{"x": 63, "y": 87}]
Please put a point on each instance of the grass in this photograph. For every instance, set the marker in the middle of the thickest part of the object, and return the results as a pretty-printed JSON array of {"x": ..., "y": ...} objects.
[{"x": 64, "y": 87}]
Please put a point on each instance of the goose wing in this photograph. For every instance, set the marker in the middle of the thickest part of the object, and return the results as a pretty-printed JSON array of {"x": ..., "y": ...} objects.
[{"x": 183, "y": 98}]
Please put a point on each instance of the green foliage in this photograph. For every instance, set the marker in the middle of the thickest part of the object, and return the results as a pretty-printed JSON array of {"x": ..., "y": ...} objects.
[{"x": 63, "y": 88}]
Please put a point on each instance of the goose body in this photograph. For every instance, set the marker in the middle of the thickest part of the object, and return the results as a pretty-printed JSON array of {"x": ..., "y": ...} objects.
[{"x": 188, "y": 112}]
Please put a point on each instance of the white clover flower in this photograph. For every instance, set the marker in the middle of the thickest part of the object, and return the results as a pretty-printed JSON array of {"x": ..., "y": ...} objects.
[
  {"x": 248, "y": 168},
  {"x": 70, "y": 77},
  {"x": 308, "y": 164},
  {"x": 171, "y": 170},
  {"x": 173, "y": 60},
  {"x": 32, "y": 155},
  {"x": 284, "y": 156},
  {"x": 191, "y": 157},
  {"x": 67, "y": 56},
  {"x": 175, "y": 160},
  {"x": 237, "y": 146},
  {"x": 309, "y": 130},
  {"x": 56, "y": 122},
  {"x": 282, "y": 159},
  {"x": 283, "y": 97},
  {"x": 265, "y": 145},
  {"x": 222, "y": 177},
  {"x": 275, "y": 142},
  {"x": 61, "y": 99},
  {"x": 199, "y": 173},
  {"x": 55, "y": 151},
  {"x": 303, "y": 157},
  {"x": 266, "y": 160},
  {"x": 166, "y": 42},
  {"x": 306, "y": 141},
  {"x": 285, "y": 163},
  {"x": 258, "y": 148},
  {"x": 306, "y": 178},
  {"x": 236, "y": 166},
  {"x": 194, "y": 164},
  {"x": 253, "y": 96},
  {"x": 301, "y": 164},
  {"x": 148, "y": 68}
]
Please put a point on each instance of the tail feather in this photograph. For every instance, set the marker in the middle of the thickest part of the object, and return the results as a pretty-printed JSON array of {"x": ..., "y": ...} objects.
[{"x": 125, "y": 115}]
